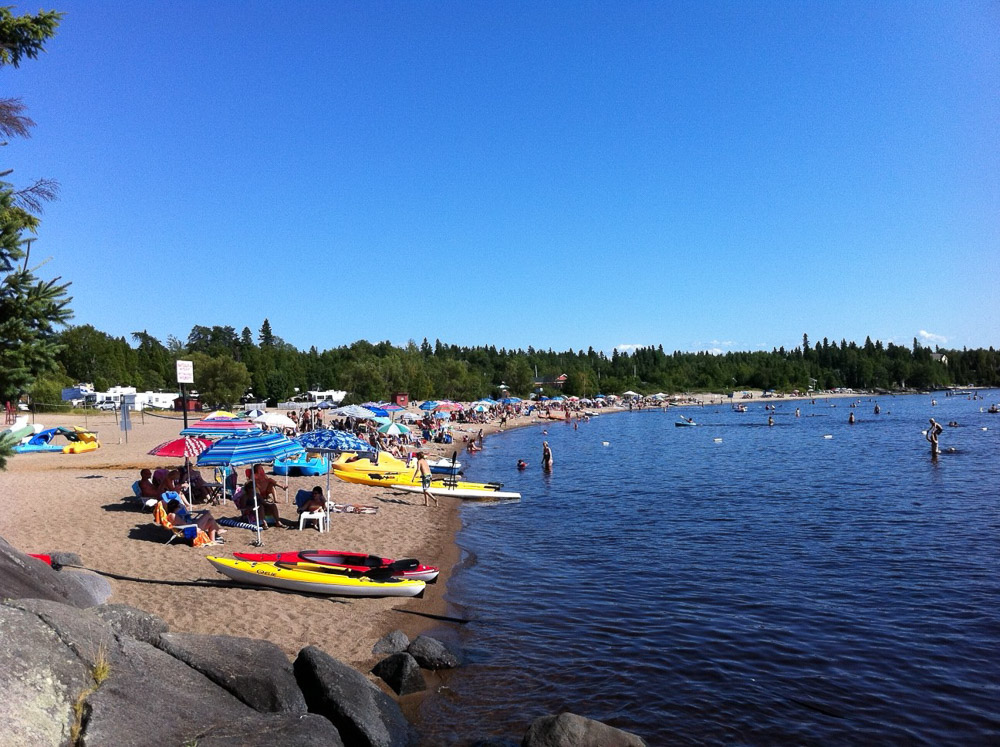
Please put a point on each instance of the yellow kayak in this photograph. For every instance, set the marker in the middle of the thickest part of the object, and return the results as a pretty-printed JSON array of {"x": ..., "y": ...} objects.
[
  {"x": 315, "y": 578},
  {"x": 440, "y": 484},
  {"x": 383, "y": 462}
]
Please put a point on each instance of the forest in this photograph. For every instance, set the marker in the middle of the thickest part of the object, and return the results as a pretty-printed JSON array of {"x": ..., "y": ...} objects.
[{"x": 231, "y": 367}]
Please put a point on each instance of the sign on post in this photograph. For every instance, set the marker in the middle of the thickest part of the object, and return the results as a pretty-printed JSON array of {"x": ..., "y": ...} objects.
[{"x": 185, "y": 372}]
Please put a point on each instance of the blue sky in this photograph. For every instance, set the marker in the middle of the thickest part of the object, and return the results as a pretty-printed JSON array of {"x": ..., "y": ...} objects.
[{"x": 702, "y": 176}]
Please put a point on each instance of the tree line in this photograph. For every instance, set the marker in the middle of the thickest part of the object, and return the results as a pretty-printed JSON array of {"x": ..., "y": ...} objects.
[{"x": 231, "y": 366}]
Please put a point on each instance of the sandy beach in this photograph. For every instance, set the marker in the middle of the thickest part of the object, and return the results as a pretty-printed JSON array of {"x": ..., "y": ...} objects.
[{"x": 76, "y": 503}]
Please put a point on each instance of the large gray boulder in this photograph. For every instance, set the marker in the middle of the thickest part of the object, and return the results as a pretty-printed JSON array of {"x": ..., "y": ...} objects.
[
  {"x": 85, "y": 634},
  {"x": 393, "y": 642},
  {"x": 570, "y": 730},
  {"x": 41, "y": 679},
  {"x": 57, "y": 660},
  {"x": 255, "y": 671},
  {"x": 132, "y": 622},
  {"x": 300, "y": 730},
  {"x": 95, "y": 587},
  {"x": 25, "y": 577},
  {"x": 430, "y": 653},
  {"x": 402, "y": 673},
  {"x": 151, "y": 698},
  {"x": 60, "y": 558},
  {"x": 364, "y": 715}
]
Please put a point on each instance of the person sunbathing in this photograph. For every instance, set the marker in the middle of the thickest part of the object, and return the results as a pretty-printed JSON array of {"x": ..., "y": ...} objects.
[
  {"x": 316, "y": 502},
  {"x": 146, "y": 487},
  {"x": 201, "y": 489},
  {"x": 265, "y": 485},
  {"x": 177, "y": 515},
  {"x": 265, "y": 506},
  {"x": 172, "y": 482}
]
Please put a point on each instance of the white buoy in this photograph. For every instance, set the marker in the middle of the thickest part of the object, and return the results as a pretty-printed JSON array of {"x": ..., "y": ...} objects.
[
  {"x": 606, "y": 443},
  {"x": 717, "y": 440},
  {"x": 985, "y": 428},
  {"x": 828, "y": 436}
]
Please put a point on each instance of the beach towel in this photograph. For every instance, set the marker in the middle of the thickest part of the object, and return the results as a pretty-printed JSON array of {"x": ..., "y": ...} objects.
[
  {"x": 227, "y": 522},
  {"x": 352, "y": 508},
  {"x": 193, "y": 533}
]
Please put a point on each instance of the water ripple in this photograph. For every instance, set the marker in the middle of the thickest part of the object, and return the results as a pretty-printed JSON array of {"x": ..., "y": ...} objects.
[{"x": 774, "y": 588}]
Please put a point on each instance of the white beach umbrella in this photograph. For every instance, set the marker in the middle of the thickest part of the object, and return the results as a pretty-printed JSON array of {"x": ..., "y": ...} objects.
[{"x": 275, "y": 420}]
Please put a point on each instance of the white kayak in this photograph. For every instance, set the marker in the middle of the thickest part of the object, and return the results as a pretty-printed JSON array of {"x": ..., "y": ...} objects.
[{"x": 483, "y": 495}]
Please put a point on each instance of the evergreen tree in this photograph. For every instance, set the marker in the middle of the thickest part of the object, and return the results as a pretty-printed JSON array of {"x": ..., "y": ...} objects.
[
  {"x": 31, "y": 309},
  {"x": 266, "y": 337}
]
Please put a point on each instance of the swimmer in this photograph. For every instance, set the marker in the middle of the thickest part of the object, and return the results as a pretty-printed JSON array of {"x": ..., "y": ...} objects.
[
  {"x": 851, "y": 419},
  {"x": 932, "y": 436},
  {"x": 521, "y": 464}
]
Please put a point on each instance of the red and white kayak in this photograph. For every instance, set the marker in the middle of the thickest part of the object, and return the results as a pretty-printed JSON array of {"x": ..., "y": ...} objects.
[{"x": 354, "y": 561}]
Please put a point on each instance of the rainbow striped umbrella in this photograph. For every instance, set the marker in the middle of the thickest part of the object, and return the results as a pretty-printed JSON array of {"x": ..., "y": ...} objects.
[
  {"x": 221, "y": 428},
  {"x": 237, "y": 450}
]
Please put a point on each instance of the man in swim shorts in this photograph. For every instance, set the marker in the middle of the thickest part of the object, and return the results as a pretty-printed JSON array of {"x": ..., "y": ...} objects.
[{"x": 424, "y": 470}]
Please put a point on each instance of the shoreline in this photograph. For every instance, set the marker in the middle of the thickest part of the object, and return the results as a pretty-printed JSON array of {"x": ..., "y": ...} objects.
[{"x": 75, "y": 503}]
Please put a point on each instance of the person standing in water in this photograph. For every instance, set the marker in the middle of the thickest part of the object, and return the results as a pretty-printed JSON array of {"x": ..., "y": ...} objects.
[
  {"x": 424, "y": 470},
  {"x": 546, "y": 456},
  {"x": 932, "y": 435},
  {"x": 850, "y": 419}
]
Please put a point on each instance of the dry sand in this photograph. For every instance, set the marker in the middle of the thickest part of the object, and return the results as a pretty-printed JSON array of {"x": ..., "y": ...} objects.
[{"x": 77, "y": 503}]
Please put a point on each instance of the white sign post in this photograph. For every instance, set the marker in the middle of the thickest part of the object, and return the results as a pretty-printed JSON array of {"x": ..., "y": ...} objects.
[
  {"x": 185, "y": 372},
  {"x": 185, "y": 375}
]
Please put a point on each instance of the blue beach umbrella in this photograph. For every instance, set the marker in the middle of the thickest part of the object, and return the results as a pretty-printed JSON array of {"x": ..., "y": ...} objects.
[
  {"x": 327, "y": 440},
  {"x": 429, "y": 405},
  {"x": 238, "y": 450}
]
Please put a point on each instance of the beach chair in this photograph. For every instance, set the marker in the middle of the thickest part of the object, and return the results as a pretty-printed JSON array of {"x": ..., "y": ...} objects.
[
  {"x": 322, "y": 518},
  {"x": 137, "y": 499},
  {"x": 189, "y": 532}
]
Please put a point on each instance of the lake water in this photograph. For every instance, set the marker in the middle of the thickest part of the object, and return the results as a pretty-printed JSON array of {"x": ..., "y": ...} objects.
[{"x": 774, "y": 587}]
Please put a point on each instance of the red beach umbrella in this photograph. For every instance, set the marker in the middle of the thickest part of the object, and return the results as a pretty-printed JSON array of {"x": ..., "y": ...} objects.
[
  {"x": 181, "y": 448},
  {"x": 186, "y": 448}
]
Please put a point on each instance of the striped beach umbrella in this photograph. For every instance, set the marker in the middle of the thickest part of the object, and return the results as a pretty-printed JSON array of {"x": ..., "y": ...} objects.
[
  {"x": 394, "y": 429},
  {"x": 238, "y": 450},
  {"x": 221, "y": 428},
  {"x": 181, "y": 448}
]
